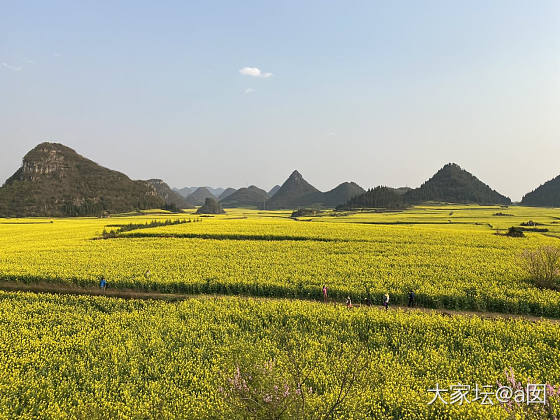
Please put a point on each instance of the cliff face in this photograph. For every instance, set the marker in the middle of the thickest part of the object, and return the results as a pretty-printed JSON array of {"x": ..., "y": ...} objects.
[
  {"x": 47, "y": 159},
  {"x": 54, "y": 180}
]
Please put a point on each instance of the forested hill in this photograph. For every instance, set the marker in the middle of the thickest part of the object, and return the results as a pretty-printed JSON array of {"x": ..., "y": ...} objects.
[
  {"x": 547, "y": 195},
  {"x": 378, "y": 197},
  {"x": 451, "y": 184}
]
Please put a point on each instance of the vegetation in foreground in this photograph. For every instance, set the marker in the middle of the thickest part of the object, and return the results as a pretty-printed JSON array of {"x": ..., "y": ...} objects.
[{"x": 95, "y": 357}]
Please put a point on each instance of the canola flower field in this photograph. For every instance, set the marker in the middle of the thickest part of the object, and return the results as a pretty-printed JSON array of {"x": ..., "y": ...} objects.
[
  {"x": 98, "y": 357},
  {"x": 449, "y": 255},
  {"x": 258, "y": 353}
]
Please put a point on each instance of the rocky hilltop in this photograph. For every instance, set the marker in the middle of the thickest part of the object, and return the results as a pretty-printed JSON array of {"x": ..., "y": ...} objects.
[{"x": 54, "y": 180}]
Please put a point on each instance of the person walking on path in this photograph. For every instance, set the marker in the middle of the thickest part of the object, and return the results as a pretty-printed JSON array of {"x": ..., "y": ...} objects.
[
  {"x": 103, "y": 284},
  {"x": 348, "y": 302},
  {"x": 411, "y": 297},
  {"x": 324, "y": 293},
  {"x": 386, "y": 301}
]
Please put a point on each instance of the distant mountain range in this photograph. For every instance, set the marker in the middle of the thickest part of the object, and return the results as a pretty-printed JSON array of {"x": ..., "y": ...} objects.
[
  {"x": 54, "y": 180},
  {"x": 186, "y": 191},
  {"x": 295, "y": 192}
]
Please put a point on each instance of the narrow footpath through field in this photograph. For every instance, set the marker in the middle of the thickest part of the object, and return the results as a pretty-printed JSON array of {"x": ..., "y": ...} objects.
[{"x": 70, "y": 289}]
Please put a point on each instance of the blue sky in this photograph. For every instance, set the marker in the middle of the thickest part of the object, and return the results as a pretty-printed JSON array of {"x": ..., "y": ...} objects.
[{"x": 372, "y": 92}]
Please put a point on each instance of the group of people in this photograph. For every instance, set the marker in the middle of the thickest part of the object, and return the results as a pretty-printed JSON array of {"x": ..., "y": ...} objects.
[{"x": 367, "y": 302}]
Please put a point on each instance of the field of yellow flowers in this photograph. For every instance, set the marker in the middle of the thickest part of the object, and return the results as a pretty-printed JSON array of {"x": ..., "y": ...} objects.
[
  {"x": 449, "y": 255},
  {"x": 98, "y": 357},
  {"x": 243, "y": 356}
]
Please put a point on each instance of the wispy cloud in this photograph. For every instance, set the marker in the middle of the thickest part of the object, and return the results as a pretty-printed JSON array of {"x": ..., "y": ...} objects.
[
  {"x": 10, "y": 67},
  {"x": 254, "y": 72},
  {"x": 249, "y": 91},
  {"x": 57, "y": 54}
]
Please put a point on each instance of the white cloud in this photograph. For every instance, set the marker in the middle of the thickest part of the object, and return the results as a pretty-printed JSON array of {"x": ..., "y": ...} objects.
[
  {"x": 331, "y": 134},
  {"x": 30, "y": 61},
  {"x": 10, "y": 67},
  {"x": 254, "y": 72},
  {"x": 57, "y": 54},
  {"x": 249, "y": 91}
]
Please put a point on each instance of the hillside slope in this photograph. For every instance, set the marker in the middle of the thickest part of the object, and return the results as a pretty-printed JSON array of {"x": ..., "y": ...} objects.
[
  {"x": 273, "y": 190},
  {"x": 227, "y": 192},
  {"x": 547, "y": 195}
]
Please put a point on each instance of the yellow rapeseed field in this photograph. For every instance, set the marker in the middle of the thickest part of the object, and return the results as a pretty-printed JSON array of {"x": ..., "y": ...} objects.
[
  {"x": 450, "y": 255},
  {"x": 98, "y": 357}
]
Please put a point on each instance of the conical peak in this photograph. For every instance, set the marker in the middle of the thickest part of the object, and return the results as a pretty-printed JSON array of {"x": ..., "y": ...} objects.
[{"x": 296, "y": 176}]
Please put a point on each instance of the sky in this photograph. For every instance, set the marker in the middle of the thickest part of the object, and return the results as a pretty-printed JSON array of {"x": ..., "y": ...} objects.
[{"x": 225, "y": 93}]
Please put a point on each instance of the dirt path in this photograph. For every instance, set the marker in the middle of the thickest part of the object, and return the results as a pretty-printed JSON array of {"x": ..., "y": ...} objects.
[{"x": 70, "y": 289}]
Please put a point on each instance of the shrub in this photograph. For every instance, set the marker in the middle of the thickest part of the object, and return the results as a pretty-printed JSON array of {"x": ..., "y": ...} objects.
[
  {"x": 543, "y": 265},
  {"x": 515, "y": 232}
]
